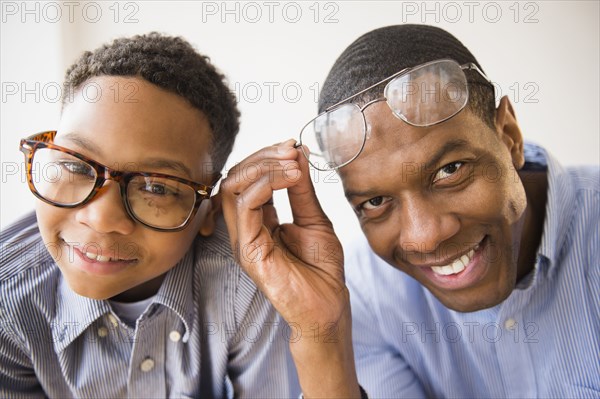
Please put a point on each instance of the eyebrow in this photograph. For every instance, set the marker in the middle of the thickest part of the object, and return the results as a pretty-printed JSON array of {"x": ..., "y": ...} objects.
[
  {"x": 162, "y": 163},
  {"x": 150, "y": 163},
  {"x": 83, "y": 142},
  {"x": 443, "y": 150},
  {"x": 351, "y": 194},
  {"x": 433, "y": 162}
]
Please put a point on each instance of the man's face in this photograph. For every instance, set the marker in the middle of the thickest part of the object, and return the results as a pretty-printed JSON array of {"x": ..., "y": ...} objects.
[
  {"x": 129, "y": 125},
  {"x": 444, "y": 204}
]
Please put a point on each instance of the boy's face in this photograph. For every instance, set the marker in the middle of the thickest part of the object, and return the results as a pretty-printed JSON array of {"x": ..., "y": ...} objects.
[
  {"x": 444, "y": 204},
  {"x": 126, "y": 124}
]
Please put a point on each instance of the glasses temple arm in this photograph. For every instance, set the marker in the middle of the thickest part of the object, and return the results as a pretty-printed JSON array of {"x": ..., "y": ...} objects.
[{"x": 473, "y": 67}]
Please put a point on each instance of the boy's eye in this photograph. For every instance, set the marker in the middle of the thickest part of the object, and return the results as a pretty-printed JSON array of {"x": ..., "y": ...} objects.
[
  {"x": 447, "y": 171},
  {"x": 77, "y": 168},
  {"x": 158, "y": 189}
]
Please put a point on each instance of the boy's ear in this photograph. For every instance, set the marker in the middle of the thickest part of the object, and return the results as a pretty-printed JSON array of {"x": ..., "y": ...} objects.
[
  {"x": 509, "y": 131},
  {"x": 210, "y": 221}
]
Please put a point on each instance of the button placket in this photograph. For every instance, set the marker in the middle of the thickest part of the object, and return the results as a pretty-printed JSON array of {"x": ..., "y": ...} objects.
[
  {"x": 102, "y": 332},
  {"x": 147, "y": 374},
  {"x": 510, "y": 324},
  {"x": 514, "y": 357},
  {"x": 147, "y": 365},
  {"x": 113, "y": 320},
  {"x": 175, "y": 336}
]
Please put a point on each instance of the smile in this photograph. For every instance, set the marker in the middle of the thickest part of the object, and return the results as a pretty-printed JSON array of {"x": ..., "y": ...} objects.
[
  {"x": 457, "y": 265},
  {"x": 461, "y": 272},
  {"x": 96, "y": 264},
  {"x": 100, "y": 258}
]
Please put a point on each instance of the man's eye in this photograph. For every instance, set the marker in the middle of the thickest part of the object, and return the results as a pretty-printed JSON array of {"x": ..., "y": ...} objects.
[
  {"x": 373, "y": 203},
  {"x": 447, "y": 171},
  {"x": 373, "y": 208}
]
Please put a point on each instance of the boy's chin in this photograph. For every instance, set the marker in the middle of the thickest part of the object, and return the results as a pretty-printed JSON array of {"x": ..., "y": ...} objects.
[{"x": 92, "y": 293}]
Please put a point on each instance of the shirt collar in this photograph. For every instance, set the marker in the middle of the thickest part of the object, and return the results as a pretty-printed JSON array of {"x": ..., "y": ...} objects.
[
  {"x": 558, "y": 209},
  {"x": 75, "y": 313},
  {"x": 215, "y": 244},
  {"x": 176, "y": 292}
]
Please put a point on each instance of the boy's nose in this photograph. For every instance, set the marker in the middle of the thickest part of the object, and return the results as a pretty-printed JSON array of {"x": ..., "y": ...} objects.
[{"x": 106, "y": 213}]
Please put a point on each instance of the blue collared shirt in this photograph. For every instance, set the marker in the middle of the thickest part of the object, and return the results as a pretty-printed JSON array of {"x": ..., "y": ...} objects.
[
  {"x": 542, "y": 341},
  {"x": 208, "y": 332}
]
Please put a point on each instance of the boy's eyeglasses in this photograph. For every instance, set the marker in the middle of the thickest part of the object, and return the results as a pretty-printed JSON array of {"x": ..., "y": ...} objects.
[
  {"x": 67, "y": 179},
  {"x": 421, "y": 96}
]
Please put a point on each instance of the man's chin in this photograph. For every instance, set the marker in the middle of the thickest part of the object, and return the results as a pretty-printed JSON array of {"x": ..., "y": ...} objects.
[{"x": 470, "y": 302}]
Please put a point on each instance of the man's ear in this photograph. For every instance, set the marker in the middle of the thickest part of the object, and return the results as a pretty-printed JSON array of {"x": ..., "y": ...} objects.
[
  {"x": 210, "y": 221},
  {"x": 509, "y": 132}
]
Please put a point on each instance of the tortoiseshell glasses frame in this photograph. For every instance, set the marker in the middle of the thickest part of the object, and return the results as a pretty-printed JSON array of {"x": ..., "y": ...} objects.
[{"x": 45, "y": 140}]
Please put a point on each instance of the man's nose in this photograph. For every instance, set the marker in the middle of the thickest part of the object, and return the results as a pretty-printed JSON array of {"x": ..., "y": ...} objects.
[{"x": 424, "y": 226}]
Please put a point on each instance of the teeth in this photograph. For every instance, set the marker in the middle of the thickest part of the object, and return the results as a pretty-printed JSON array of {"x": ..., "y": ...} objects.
[
  {"x": 443, "y": 270},
  {"x": 465, "y": 260},
  {"x": 457, "y": 266},
  {"x": 98, "y": 258}
]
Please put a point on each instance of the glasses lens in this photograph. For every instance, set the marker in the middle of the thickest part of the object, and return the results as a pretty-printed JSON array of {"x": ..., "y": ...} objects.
[
  {"x": 428, "y": 94},
  {"x": 335, "y": 137},
  {"x": 61, "y": 178},
  {"x": 160, "y": 202}
]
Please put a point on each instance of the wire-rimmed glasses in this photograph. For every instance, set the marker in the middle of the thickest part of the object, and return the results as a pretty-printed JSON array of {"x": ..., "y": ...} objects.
[{"x": 421, "y": 96}]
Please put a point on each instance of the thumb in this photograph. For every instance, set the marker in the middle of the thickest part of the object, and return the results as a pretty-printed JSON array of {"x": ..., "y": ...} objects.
[{"x": 306, "y": 209}]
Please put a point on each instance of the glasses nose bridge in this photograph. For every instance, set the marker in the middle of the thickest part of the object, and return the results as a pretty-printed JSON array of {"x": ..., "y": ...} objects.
[
  {"x": 368, "y": 104},
  {"x": 105, "y": 173}
]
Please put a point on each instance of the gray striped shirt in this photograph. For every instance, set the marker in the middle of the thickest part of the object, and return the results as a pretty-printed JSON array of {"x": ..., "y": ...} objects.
[
  {"x": 542, "y": 341},
  {"x": 208, "y": 332}
]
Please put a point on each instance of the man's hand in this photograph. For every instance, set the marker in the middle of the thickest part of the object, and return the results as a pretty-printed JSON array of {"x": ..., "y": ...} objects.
[{"x": 299, "y": 266}]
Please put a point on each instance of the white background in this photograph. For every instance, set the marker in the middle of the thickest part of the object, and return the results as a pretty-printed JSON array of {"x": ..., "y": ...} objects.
[{"x": 544, "y": 55}]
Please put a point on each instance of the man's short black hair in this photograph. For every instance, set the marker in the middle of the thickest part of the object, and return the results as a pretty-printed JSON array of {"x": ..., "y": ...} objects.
[
  {"x": 385, "y": 51},
  {"x": 174, "y": 65}
]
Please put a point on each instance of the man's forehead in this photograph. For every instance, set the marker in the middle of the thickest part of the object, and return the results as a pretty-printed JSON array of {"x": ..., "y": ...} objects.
[
  {"x": 388, "y": 133},
  {"x": 393, "y": 143}
]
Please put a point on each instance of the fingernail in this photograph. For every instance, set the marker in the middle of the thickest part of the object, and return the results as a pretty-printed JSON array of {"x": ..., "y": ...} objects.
[
  {"x": 292, "y": 174},
  {"x": 286, "y": 146}
]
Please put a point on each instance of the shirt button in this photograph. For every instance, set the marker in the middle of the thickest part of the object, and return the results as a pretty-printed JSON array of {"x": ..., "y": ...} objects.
[
  {"x": 510, "y": 324},
  {"x": 102, "y": 332},
  {"x": 174, "y": 336},
  {"x": 113, "y": 320},
  {"x": 147, "y": 365}
]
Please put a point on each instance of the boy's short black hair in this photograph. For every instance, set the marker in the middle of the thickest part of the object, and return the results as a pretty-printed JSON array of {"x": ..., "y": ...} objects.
[
  {"x": 385, "y": 51},
  {"x": 174, "y": 65}
]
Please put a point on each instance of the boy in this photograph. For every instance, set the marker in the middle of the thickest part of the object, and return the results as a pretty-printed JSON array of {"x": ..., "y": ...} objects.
[
  {"x": 122, "y": 284},
  {"x": 479, "y": 274}
]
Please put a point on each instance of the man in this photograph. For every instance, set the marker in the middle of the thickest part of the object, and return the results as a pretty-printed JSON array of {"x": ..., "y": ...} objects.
[{"x": 481, "y": 275}]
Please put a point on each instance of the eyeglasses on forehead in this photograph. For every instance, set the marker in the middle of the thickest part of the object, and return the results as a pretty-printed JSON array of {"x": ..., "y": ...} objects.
[{"x": 421, "y": 96}]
